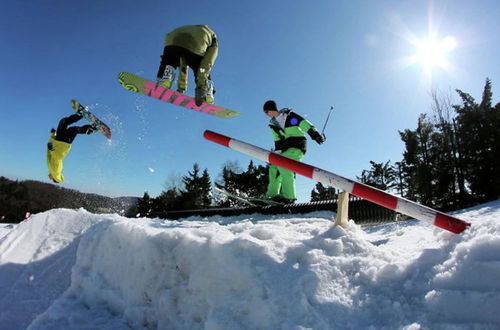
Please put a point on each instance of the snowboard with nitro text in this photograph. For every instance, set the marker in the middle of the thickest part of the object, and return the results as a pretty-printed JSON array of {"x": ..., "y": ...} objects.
[{"x": 137, "y": 84}]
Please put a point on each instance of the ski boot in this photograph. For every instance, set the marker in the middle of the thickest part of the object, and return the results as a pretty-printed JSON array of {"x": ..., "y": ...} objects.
[
  {"x": 167, "y": 78},
  {"x": 281, "y": 199}
]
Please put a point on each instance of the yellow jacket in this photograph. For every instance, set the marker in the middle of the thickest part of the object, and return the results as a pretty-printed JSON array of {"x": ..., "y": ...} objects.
[{"x": 56, "y": 152}]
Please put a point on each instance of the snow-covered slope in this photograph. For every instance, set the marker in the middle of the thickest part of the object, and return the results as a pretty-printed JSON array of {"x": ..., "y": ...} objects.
[{"x": 66, "y": 269}]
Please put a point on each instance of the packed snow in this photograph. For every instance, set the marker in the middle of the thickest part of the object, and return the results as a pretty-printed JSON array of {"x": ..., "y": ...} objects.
[{"x": 70, "y": 269}]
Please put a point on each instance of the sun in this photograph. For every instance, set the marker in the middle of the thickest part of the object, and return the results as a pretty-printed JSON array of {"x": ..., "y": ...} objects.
[{"x": 432, "y": 52}]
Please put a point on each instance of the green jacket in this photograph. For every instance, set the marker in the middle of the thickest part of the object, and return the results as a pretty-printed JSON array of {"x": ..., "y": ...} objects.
[
  {"x": 293, "y": 133},
  {"x": 198, "y": 39}
]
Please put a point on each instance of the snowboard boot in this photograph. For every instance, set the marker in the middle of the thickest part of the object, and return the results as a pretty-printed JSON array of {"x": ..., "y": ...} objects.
[
  {"x": 78, "y": 108},
  {"x": 167, "y": 78},
  {"x": 209, "y": 96},
  {"x": 199, "y": 96},
  {"x": 204, "y": 93}
]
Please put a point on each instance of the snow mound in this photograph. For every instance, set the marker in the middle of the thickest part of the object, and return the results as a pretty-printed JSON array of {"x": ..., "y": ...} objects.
[
  {"x": 69, "y": 269},
  {"x": 36, "y": 258}
]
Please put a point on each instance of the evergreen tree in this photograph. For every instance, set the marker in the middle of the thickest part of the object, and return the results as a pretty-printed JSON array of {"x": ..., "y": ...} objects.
[
  {"x": 478, "y": 127},
  {"x": 229, "y": 176},
  {"x": 145, "y": 205},
  {"x": 168, "y": 200},
  {"x": 450, "y": 175},
  {"x": 448, "y": 160},
  {"x": 417, "y": 165},
  {"x": 197, "y": 190},
  {"x": 321, "y": 193},
  {"x": 380, "y": 175},
  {"x": 409, "y": 164},
  {"x": 205, "y": 189},
  {"x": 251, "y": 183},
  {"x": 400, "y": 181}
]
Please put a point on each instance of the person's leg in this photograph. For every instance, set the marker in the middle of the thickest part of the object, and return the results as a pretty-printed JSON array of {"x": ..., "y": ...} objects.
[
  {"x": 204, "y": 85},
  {"x": 66, "y": 121},
  {"x": 274, "y": 185},
  {"x": 288, "y": 177},
  {"x": 182, "y": 81},
  {"x": 64, "y": 133},
  {"x": 288, "y": 184},
  {"x": 170, "y": 61},
  {"x": 71, "y": 132},
  {"x": 68, "y": 135}
]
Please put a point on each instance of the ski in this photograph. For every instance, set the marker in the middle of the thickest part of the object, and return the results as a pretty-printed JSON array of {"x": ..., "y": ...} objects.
[
  {"x": 252, "y": 201},
  {"x": 137, "y": 84}
]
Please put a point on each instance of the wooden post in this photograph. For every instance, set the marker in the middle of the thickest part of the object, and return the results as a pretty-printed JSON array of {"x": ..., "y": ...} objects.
[{"x": 342, "y": 209}]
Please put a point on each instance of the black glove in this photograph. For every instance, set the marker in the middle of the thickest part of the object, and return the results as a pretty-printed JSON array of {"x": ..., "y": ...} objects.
[
  {"x": 88, "y": 129},
  {"x": 317, "y": 137}
]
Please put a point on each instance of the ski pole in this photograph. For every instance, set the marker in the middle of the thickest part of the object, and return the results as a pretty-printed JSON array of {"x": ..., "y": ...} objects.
[{"x": 326, "y": 121}]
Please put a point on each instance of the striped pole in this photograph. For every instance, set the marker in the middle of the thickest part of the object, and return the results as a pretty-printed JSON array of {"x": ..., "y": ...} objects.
[{"x": 371, "y": 194}]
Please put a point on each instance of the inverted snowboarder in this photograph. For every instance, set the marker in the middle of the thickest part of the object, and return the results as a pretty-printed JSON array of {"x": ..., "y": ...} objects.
[
  {"x": 193, "y": 46},
  {"x": 60, "y": 144},
  {"x": 288, "y": 130}
]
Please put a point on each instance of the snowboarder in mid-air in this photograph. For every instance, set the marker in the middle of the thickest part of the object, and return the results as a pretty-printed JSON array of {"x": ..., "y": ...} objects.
[
  {"x": 193, "y": 46},
  {"x": 60, "y": 144},
  {"x": 288, "y": 130}
]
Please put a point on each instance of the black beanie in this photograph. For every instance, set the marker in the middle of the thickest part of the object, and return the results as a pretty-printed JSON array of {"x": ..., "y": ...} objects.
[{"x": 270, "y": 105}]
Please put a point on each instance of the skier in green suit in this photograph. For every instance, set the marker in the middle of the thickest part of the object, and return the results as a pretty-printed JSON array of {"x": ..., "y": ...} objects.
[
  {"x": 288, "y": 130},
  {"x": 193, "y": 46}
]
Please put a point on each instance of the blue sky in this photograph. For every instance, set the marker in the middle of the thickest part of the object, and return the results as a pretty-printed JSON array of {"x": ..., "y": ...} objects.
[{"x": 306, "y": 55}]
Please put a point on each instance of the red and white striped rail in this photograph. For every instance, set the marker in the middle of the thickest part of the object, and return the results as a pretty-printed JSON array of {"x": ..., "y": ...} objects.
[{"x": 371, "y": 194}]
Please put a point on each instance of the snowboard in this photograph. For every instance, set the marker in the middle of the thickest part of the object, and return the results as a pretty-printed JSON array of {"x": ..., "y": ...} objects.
[
  {"x": 252, "y": 201},
  {"x": 134, "y": 83},
  {"x": 94, "y": 121}
]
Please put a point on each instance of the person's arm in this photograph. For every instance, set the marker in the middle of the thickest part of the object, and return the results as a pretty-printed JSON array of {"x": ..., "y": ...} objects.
[{"x": 306, "y": 126}]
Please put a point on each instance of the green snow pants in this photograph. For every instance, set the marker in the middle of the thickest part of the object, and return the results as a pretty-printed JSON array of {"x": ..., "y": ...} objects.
[{"x": 281, "y": 181}]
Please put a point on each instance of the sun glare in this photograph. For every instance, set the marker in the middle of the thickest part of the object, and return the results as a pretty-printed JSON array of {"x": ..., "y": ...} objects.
[{"x": 431, "y": 53}]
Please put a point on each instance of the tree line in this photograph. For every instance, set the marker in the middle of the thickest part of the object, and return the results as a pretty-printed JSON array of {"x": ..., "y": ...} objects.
[
  {"x": 195, "y": 190},
  {"x": 17, "y": 198},
  {"x": 451, "y": 159}
]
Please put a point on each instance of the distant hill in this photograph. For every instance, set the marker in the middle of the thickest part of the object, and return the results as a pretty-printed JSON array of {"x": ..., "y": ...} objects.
[{"x": 19, "y": 197}]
